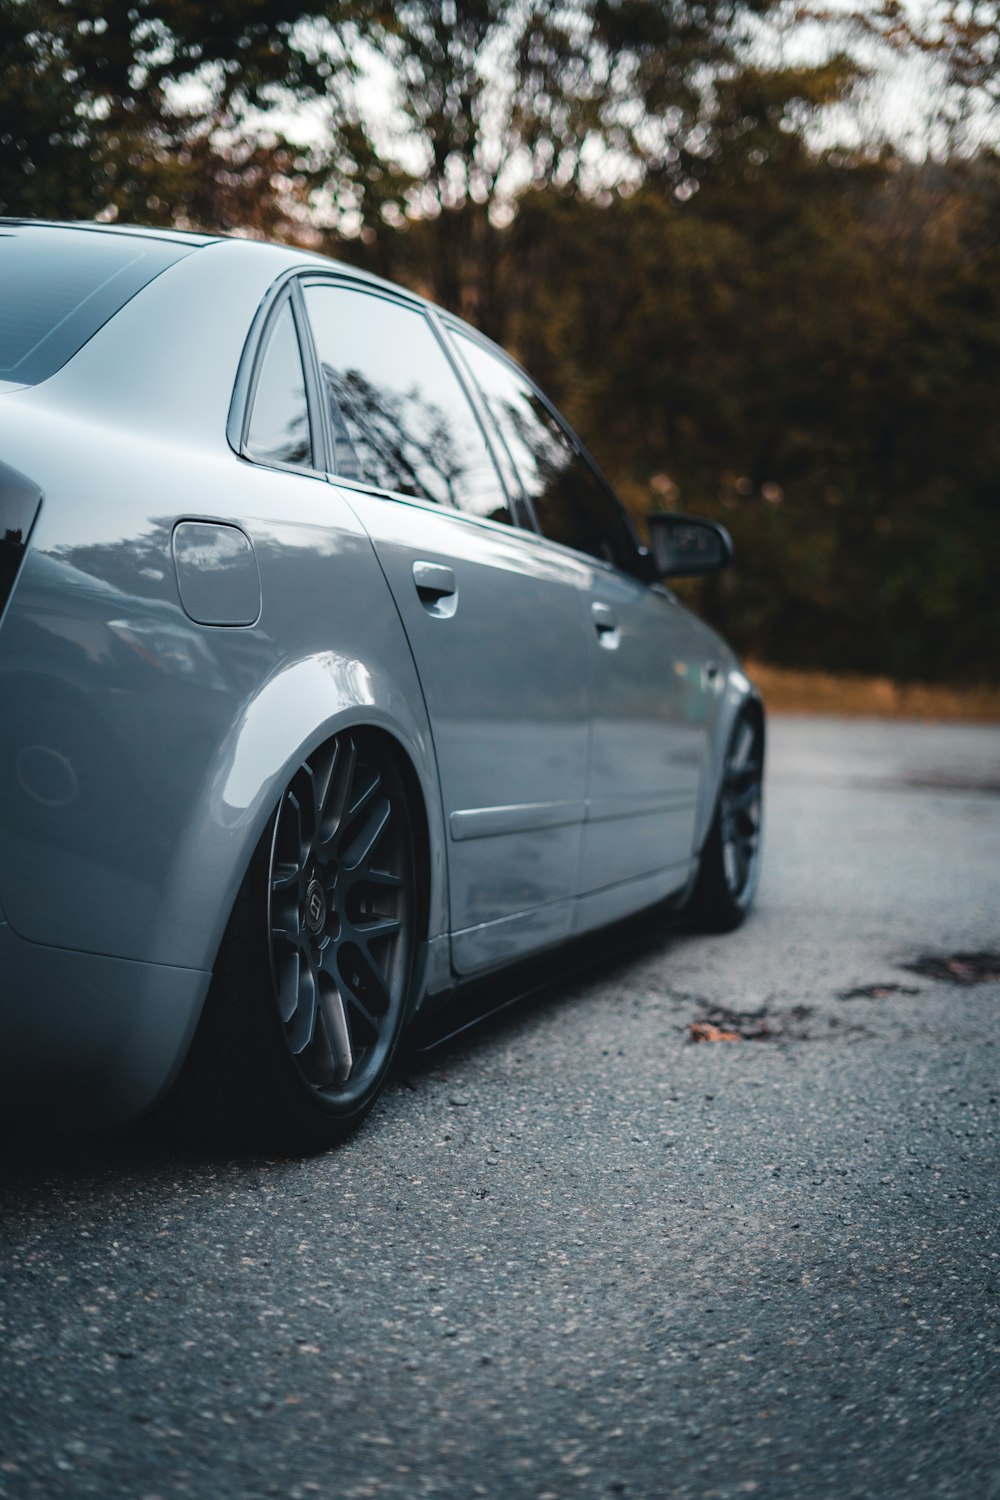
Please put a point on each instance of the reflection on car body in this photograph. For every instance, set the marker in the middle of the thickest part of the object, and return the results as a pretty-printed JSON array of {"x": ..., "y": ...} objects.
[{"x": 333, "y": 676}]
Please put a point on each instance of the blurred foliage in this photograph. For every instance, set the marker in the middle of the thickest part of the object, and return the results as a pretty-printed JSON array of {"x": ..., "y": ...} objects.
[
  {"x": 819, "y": 379},
  {"x": 155, "y": 111},
  {"x": 741, "y": 319}
]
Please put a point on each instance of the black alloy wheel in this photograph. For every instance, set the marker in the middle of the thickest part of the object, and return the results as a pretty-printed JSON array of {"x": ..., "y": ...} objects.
[
  {"x": 340, "y": 918},
  {"x": 740, "y": 806},
  {"x": 730, "y": 861},
  {"x": 311, "y": 986}
]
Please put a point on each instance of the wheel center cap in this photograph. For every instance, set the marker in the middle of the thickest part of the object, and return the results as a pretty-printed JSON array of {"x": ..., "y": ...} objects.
[{"x": 315, "y": 908}]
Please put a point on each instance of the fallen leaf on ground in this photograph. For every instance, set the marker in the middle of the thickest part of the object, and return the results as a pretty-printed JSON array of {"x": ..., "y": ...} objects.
[{"x": 704, "y": 1031}]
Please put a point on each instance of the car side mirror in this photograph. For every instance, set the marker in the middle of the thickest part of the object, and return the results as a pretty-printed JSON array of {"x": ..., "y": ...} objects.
[{"x": 684, "y": 546}]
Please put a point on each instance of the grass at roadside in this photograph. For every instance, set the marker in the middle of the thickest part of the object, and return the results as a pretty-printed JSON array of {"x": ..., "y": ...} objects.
[{"x": 790, "y": 692}]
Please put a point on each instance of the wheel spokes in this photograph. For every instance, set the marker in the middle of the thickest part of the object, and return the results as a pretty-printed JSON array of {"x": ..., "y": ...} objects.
[
  {"x": 287, "y": 970},
  {"x": 303, "y": 1021},
  {"x": 290, "y": 849},
  {"x": 376, "y": 927},
  {"x": 367, "y": 1024},
  {"x": 333, "y": 1032},
  {"x": 365, "y": 985},
  {"x": 746, "y": 796},
  {"x": 335, "y": 803},
  {"x": 323, "y": 765},
  {"x": 740, "y": 803},
  {"x": 362, "y": 845},
  {"x": 285, "y": 922},
  {"x": 736, "y": 865},
  {"x": 363, "y": 791},
  {"x": 341, "y": 930},
  {"x": 382, "y": 878},
  {"x": 743, "y": 747}
]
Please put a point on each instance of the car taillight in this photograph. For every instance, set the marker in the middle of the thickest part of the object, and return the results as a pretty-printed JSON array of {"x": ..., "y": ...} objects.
[{"x": 19, "y": 502}]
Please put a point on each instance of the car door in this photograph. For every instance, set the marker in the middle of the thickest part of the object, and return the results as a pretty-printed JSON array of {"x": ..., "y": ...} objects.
[
  {"x": 493, "y": 622},
  {"x": 649, "y": 703}
]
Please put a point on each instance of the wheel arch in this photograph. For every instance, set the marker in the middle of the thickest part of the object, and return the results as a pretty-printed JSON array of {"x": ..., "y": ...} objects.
[{"x": 292, "y": 715}]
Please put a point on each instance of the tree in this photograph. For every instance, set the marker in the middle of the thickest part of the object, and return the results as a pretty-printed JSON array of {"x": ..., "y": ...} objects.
[
  {"x": 48, "y": 166},
  {"x": 958, "y": 42},
  {"x": 153, "y": 110},
  {"x": 492, "y": 98},
  {"x": 806, "y": 350}
]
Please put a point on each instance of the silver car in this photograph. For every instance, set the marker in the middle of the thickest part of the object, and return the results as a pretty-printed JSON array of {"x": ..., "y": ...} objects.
[{"x": 333, "y": 677}]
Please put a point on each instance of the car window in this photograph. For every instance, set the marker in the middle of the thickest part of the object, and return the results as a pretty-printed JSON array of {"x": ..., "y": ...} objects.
[
  {"x": 571, "y": 503},
  {"x": 58, "y": 286},
  {"x": 399, "y": 415},
  {"x": 279, "y": 418}
]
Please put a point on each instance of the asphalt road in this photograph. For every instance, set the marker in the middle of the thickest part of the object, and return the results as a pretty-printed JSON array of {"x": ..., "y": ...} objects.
[{"x": 574, "y": 1253}]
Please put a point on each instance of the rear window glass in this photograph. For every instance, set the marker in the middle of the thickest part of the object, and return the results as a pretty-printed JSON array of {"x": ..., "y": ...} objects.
[
  {"x": 58, "y": 286},
  {"x": 279, "y": 423}
]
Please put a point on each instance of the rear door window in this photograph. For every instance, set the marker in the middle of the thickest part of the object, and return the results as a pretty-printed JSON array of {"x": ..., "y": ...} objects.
[
  {"x": 401, "y": 420},
  {"x": 59, "y": 286}
]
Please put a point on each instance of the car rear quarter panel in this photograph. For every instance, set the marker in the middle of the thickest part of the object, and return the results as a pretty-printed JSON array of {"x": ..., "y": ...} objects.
[{"x": 143, "y": 753}]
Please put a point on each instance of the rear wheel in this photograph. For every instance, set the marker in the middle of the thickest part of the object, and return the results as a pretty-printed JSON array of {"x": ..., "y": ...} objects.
[
  {"x": 730, "y": 861},
  {"x": 311, "y": 988}
]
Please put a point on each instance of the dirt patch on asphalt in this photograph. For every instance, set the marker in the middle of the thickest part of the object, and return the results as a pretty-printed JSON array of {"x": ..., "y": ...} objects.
[
  {"x": 717, "y": 1023},
  {"x": 877, "y": 992},
  {"x": 958, "y": 968}
]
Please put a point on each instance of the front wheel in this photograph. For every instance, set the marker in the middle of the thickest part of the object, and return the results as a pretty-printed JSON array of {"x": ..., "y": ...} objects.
[
  {"x": 730, "y": 860},
  {"x": 310, "y": 991}
]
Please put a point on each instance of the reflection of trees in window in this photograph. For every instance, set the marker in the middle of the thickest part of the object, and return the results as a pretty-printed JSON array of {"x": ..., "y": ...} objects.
[
  {"x": 543, "y": 458},
  {"x": 400, "y": 441},
  {"x": 539, "y": 448}
]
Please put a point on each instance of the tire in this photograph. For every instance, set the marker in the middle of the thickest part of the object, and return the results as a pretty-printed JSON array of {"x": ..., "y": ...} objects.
[
  {"x": 311, "y": 988},
  {"x": 730, "y": 860}
]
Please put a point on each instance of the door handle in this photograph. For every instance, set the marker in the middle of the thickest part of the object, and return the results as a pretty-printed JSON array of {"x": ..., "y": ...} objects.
[
  {"x": 436, "y": 589},
  {"x": 606, "y": 624}
]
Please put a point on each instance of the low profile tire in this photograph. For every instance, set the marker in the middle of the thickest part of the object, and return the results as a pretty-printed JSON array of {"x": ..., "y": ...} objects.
[
  {"x": 730, "y": 860},
  {"x": 311, "y": 988}
]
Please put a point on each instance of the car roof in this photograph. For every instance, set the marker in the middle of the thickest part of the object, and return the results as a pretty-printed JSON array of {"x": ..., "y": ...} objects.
[
  {"x": 193, "y": 239},
  {"x": 136, "y": 231}
]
